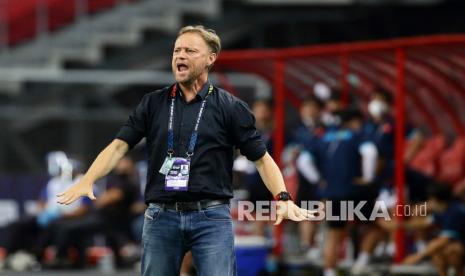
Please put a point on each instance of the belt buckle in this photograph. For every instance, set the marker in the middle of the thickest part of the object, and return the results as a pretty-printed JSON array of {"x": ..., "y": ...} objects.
[{"x": 180, "y": 206}]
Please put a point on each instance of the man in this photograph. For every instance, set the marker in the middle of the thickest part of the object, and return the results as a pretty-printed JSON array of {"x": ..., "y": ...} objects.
[
  {"x": 332, "y": 105},
  {"x": 308, "y": 132},
  {"x": 380, "y": 128},
  {"x": 191, "y": 129},
  {"x": 31, "y": 233},
  {"x": 111, "y": 216},
  {"x": 347, "y": 161},
  {"x": 447, "y": 250}
]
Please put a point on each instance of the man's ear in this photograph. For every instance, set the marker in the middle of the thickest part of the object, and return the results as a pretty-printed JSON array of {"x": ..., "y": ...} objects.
[{"x": 211, "y": 59}]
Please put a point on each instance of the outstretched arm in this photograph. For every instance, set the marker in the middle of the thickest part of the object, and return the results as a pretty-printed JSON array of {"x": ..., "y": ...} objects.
[
  {"x": 103, "y": 164},
  {"x": 273, "y": 179}
]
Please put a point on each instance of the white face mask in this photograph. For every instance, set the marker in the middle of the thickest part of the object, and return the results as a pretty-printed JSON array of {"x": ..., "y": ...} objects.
[{"x": 377, "y": 108}]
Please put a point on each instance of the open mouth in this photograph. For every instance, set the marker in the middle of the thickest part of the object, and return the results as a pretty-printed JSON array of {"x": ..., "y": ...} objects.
[{"x": 181, "y": 67}]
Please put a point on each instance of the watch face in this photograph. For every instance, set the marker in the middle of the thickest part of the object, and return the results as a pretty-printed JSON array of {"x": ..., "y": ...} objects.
[{"x": 284, "y": 196}]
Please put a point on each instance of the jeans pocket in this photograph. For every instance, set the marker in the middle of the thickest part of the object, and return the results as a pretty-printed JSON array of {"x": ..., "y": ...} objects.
[
  {"x": 152, "y": 212},
  {"x": 217, "y": 213}
]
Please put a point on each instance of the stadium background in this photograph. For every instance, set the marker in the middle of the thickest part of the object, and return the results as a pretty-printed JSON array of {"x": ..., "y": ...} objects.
[{"x": 71, "y": 71}]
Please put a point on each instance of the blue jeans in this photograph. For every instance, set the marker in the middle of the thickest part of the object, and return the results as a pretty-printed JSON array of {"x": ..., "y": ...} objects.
[{"x": 168, "y": 235}]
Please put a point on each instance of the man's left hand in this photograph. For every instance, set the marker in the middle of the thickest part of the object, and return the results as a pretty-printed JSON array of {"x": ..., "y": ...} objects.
[{"x": 288, "y": 210}]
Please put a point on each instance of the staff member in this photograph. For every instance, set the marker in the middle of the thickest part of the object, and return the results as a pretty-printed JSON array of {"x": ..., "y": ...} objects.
[
  {"x": 191, "y": 129},
  {"x": 348, "y": 162}
]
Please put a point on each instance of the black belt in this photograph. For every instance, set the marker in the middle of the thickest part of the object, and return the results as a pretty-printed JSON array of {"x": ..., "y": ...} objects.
[{"x": 192, "y": 205}]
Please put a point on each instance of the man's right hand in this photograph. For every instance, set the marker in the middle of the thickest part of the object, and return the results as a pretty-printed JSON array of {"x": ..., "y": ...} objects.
[
  {"x": 103, "y": 164},
  {"x": 82, "y": 188}
]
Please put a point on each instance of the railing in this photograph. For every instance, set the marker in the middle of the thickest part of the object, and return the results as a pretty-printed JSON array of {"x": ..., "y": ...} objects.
[
  {"x": 27, "y": 19},
  {"x": 425, "y": 75}
]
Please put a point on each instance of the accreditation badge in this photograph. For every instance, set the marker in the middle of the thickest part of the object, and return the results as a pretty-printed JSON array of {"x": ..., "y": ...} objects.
[
  {"x": 167, "y": 164},
  {"x": 177, "y": 177}
]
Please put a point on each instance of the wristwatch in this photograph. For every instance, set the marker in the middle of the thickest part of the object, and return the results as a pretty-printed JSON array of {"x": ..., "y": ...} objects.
[{"x": 283, "y": 196}]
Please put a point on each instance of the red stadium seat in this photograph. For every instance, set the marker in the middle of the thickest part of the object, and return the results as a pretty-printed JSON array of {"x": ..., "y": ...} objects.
[
  {"x": 426, "y": 160},
  {"x": 452, "y": 162},
  {"x": 22, "y": 16}
]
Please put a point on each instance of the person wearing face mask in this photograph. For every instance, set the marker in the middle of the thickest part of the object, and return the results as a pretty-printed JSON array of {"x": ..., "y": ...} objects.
[
  {"x": 381, "y": 126},
  {"x": 332, "y": 105},
  {"x": 380, "y": 129}
]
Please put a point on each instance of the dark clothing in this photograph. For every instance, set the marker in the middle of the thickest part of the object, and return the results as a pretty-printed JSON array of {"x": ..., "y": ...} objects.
[
  {"x": 306, "y": 190},
  {"x": 383, "y": 137},
  {"x": 227, "y": 122},
  {"x": 255, "y": 186},
  {"x": 340, "y": 161},
  {"x": 306, "y": 135},
  {"x": 308, "y": 138},
  {"x": 120, "y": 211},
  {"x": 78, "y": 232},
  {"x": 22, "y": 235},
  {"x": 112, "y": 220},
  {"x": 343, "y": 218},
  {"x": 418, "y": 185},
  {"x": 382, "y": 134},
  {"x": 452, "y": 221}
]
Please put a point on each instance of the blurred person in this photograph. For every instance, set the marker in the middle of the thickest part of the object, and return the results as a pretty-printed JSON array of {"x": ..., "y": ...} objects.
[
  {"x": 447, "y": 250},
  {"x": 348, "y": 166},
  {"x": 111, "y": 216},
  {"x": 459, "y": 190},
  {"x": 138, "y": 208},
  {"x": 257, "y": 191},
  {"x": 321, "y": 91},
  {"x": 332, "y": 105},
  {"x": 187, "y": 265},
  {"x": 262, "y": 110},
  {"x": 381, "y": 126},
  {"x": 381, "y": 129},
  {"x": 30, "y": 233},
  {"x": 310, "y": 129},
  {"x": 189, "y": 179},
  {"x": 310, "y": 121}
]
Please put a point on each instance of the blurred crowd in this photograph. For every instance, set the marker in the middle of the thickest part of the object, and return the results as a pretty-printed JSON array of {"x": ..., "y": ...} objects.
[
  {"x": 58, "y": 236},
  {"x": 340, "y": 152},
  {"x": 335, "y": 152}
]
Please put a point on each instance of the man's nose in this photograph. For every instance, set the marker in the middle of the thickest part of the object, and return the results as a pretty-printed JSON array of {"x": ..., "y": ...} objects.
[{"x": 182, "y": 54}]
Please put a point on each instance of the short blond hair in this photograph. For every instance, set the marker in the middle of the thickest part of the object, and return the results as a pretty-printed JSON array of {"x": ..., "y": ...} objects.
[{"x": 209, "y": 36}]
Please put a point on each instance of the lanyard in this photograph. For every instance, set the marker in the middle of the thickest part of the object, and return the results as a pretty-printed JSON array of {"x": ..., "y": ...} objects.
[{"x": 193, "y": 139}]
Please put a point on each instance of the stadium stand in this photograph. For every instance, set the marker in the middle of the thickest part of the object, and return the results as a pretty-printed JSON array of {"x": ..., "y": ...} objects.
[
  {"x": 84, "y": 41},
  {"x": 426, "y": 160},
  {"x": 54, "y": 76},
  {"x": 452, "y": 162}
]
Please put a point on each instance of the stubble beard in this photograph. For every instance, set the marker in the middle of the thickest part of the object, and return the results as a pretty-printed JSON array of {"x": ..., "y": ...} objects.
[{"x": 191, "y": 78}]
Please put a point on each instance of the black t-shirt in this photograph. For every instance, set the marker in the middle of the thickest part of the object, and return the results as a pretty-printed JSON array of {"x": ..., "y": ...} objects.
[
  {"x": 121, "y": 209},
  {"x": 227, "y": 122}
]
